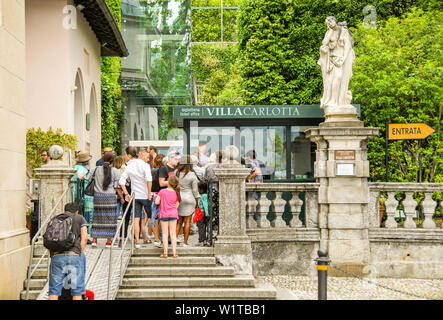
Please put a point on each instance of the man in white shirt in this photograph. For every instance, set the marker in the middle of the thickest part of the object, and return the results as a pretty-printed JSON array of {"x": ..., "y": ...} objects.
[{"x": 139, "y": 172}]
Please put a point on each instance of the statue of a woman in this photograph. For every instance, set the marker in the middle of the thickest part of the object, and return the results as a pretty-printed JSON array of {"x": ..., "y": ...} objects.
[{"x": 336, "y": 60}]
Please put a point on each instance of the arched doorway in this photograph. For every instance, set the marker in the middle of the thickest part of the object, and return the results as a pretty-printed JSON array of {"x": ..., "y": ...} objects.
[
  {"x": 79, "y": 119},
  {"x": 94, "y": 126}
]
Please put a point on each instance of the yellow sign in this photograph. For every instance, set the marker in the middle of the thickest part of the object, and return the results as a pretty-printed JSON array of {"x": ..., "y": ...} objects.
[{"x": 405, "y": 131}]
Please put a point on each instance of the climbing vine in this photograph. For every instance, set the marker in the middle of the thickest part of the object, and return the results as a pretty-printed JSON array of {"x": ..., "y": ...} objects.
[
  {"x": 38, "y": 140},
  {"x": 112, "y": 110}
]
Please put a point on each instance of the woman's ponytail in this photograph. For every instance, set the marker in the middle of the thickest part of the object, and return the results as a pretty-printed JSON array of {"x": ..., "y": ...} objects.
[
  {"x": 108, "y": 158},
  {"x": 174, "y": 182}
]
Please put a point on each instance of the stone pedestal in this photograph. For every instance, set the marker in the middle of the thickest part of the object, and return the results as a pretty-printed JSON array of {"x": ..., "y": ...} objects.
[
  {"x": 342, "y": 169},
  {"x": 54, "y": 180},
  {"x": 233, "y": 246}
]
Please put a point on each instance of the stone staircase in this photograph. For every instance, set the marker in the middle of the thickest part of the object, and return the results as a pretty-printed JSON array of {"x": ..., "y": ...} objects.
[
  {"x": 194, "y": 275},
  {"x": 38, "y": 279}
]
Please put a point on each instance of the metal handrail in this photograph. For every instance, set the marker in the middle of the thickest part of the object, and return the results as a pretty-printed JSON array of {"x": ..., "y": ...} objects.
[
  {"x": 129, "y": 234},
  {"x": 42, "y": 227}
]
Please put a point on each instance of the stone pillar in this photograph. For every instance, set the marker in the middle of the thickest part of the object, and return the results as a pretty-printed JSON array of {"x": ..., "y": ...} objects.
[
  {"x": 54, "y": 180},
  {"x": 233, "y": 246},
  {"x": 342, "y": 169},
  {"x": 14, "y": 236}
]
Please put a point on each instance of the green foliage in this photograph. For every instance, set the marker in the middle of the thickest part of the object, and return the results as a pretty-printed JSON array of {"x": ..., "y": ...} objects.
[
  {"x": 115, "y": 7},
  {"x": 112, "y": 111},
  {"x": 216, "y": 68},
  {"x": 280, "y": 39},
  {"x": 38, "y": 140},
  {"x": 206, "y": 24},
  {"x": 398, "y": 78}
]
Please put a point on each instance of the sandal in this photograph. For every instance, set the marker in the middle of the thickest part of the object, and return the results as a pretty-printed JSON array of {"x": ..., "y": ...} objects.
[
  {"x": 163, "y": 255},
  {"x": 147, "y": 241},
  {"x": 175, "y": 256}
]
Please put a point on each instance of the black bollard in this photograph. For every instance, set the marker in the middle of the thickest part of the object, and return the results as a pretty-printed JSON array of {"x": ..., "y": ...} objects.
[{"x": 322, "y": 267}]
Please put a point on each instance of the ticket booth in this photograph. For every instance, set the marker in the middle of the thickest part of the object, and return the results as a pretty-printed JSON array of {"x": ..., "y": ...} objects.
[{"x": 275, "y": 133}]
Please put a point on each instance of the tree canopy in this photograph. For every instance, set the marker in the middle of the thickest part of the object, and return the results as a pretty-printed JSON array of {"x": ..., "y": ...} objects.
[
  {"x": 280, "y": 39},
  {"x": 398, "y": 78}
]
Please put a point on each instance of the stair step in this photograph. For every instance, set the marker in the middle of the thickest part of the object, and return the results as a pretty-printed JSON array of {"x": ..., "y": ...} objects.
[
  {"x": 40, "y": 267},
  {"x": 40, "y": 273},
  {"x": 263, "y": 291},
  {"x": 36, "y": 284},
  {"x": 179, "y": 271},
  {"x": 189, "y": 282},
  {"x": 37, "y": 259},
  {"x": 192, "y": 251},
  {"x": 157, "y": 261},
  {"x": 33, "y": 294}
]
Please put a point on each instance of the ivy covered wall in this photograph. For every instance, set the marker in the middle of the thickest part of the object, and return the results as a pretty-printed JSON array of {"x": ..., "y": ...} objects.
[{"x": 111, "y": 95}]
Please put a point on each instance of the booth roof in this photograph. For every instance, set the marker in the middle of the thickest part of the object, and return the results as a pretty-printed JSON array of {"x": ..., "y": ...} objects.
[{"x": 102, "y": 22}]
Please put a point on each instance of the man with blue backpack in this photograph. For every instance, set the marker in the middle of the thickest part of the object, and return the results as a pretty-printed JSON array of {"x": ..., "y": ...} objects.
[{"x": 66, "y": 238}]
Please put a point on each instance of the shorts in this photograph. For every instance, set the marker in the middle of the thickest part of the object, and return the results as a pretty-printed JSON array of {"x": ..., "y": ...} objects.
[
  {"x": 66, "y": 271},
  {"x": 139, "y": 205},
  {"x": 168, "y": 219}
]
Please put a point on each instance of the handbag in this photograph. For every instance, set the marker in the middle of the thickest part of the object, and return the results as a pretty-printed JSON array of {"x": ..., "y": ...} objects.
[
  {"x": 89, "y": 191},
  {"x": 198, "y": 215}
]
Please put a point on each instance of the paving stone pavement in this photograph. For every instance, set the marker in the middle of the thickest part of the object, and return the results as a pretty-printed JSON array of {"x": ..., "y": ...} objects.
[{"x": 305, "y": 288}]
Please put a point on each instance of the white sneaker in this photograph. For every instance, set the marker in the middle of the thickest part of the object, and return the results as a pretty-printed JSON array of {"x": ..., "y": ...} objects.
[
  {"x": 180, "y": 240},
  {"x": 184, "y": 245},
  {"x": 158, "y": 244},
  {"x": 137, "y": 245}
]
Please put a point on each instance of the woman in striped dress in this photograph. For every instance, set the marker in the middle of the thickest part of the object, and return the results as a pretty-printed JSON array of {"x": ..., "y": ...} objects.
[{"x": 104, "y": 223}]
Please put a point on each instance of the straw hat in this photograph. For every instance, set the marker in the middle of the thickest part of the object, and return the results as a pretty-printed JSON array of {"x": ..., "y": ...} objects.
[{"x": 83, "y": 156}]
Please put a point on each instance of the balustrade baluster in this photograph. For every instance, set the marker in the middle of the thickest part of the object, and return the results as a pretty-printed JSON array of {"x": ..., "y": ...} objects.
[
  {"x": 295, "y": 203},
  {"x": 391, "y": 209},
  {"x": 263, "y": 210},
  {"x": 311, "y": 209},
  {"x": 428, "y": 205},
  {"x": 278, "y": 207},
  {"x": 409, "y": 205},
  {"x": 251, "y": 208}
]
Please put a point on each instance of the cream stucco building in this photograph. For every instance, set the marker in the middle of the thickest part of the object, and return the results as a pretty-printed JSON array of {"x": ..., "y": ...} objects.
[
  {"x": 49, "y": 76},
  {"x": 64, "y": 43}
]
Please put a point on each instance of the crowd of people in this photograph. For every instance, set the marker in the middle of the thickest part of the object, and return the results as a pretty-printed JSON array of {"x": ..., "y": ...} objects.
[
  {"x": 167, "y": 191},
  {"x": 169, "y": 195}
]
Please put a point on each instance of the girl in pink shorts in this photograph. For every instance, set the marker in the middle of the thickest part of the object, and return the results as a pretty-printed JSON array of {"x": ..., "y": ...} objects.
[{"x": 169, "y": 200}]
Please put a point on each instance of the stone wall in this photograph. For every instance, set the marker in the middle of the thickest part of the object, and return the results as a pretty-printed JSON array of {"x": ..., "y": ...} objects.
[
  {"x": 284, "y": 251},
  {"x": 394, "y": 251}
]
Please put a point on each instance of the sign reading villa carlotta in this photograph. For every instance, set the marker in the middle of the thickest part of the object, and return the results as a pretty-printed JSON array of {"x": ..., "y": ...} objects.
[{"x": 248, "y": 112}]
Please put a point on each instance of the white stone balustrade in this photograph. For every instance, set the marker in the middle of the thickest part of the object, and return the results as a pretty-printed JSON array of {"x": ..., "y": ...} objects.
[
  {"x": 428, "y": 205},
  {"x": 258, "y": 203}
]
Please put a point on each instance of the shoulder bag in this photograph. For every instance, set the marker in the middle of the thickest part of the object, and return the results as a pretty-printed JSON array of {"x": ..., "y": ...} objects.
[{"x": 89, "y": 191}]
